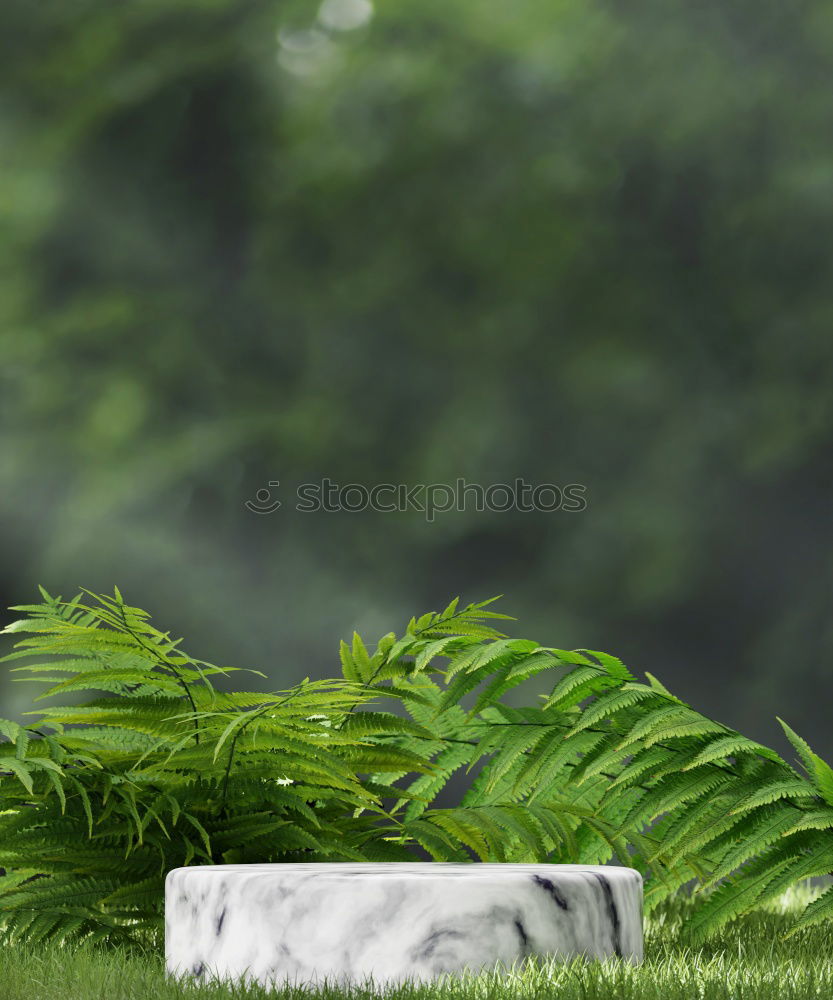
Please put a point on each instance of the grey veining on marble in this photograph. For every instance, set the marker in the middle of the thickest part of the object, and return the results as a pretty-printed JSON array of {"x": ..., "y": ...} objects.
[{"x": 304, "y": 923}]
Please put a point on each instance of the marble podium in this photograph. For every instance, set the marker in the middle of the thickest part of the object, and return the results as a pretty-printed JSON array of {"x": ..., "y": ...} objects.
[{"x": 305, "y": 923}]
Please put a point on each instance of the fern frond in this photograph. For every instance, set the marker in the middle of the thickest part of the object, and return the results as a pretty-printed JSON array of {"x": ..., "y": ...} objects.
[
  {"x": 428, "y": 786},
  {"x": 790, "y": 789},
  {"x": 609, "y": 703},
  {"x": 576, "y": 686},
  {"x": 158, "y": 769},
  {"x": 815, "y": 912},
  {"x": 730, "y": 746}
]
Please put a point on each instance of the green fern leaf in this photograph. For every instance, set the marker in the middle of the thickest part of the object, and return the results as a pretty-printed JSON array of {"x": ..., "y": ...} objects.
[
  {"x": 608, "y": 703},
  {"x": 820, "y": 909},
  {"x": 576, "y": 686},
  {"x": 791, "y": 789},
  {"x": 730, "y": 746}
]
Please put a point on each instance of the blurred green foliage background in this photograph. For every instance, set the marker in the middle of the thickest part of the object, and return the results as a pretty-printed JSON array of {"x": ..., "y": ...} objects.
[{"x": 576, "y": 241}]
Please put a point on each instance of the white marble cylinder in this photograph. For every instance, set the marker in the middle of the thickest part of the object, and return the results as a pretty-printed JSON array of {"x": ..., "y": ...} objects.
[{"x": 304, "y": 923}]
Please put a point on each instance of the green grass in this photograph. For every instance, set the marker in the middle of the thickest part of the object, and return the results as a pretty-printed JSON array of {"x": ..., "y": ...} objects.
[{"x": 750, "y": 961}]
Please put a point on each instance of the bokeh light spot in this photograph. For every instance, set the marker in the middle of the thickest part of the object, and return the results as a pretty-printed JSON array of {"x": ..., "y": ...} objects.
[{"x": 345, "y": 15}]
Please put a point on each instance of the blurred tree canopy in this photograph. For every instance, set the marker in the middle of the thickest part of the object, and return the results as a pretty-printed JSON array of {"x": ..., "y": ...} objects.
[{"x": 575, "y": 241}]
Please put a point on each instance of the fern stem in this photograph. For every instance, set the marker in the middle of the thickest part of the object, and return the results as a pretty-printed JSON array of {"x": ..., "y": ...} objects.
[
  {"x": 233, "y": 745},
  {"x": 167, "y": 666}
]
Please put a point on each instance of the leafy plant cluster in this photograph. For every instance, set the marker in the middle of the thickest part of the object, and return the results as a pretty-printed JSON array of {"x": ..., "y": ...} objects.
[{"x": 141, "y": 764}]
